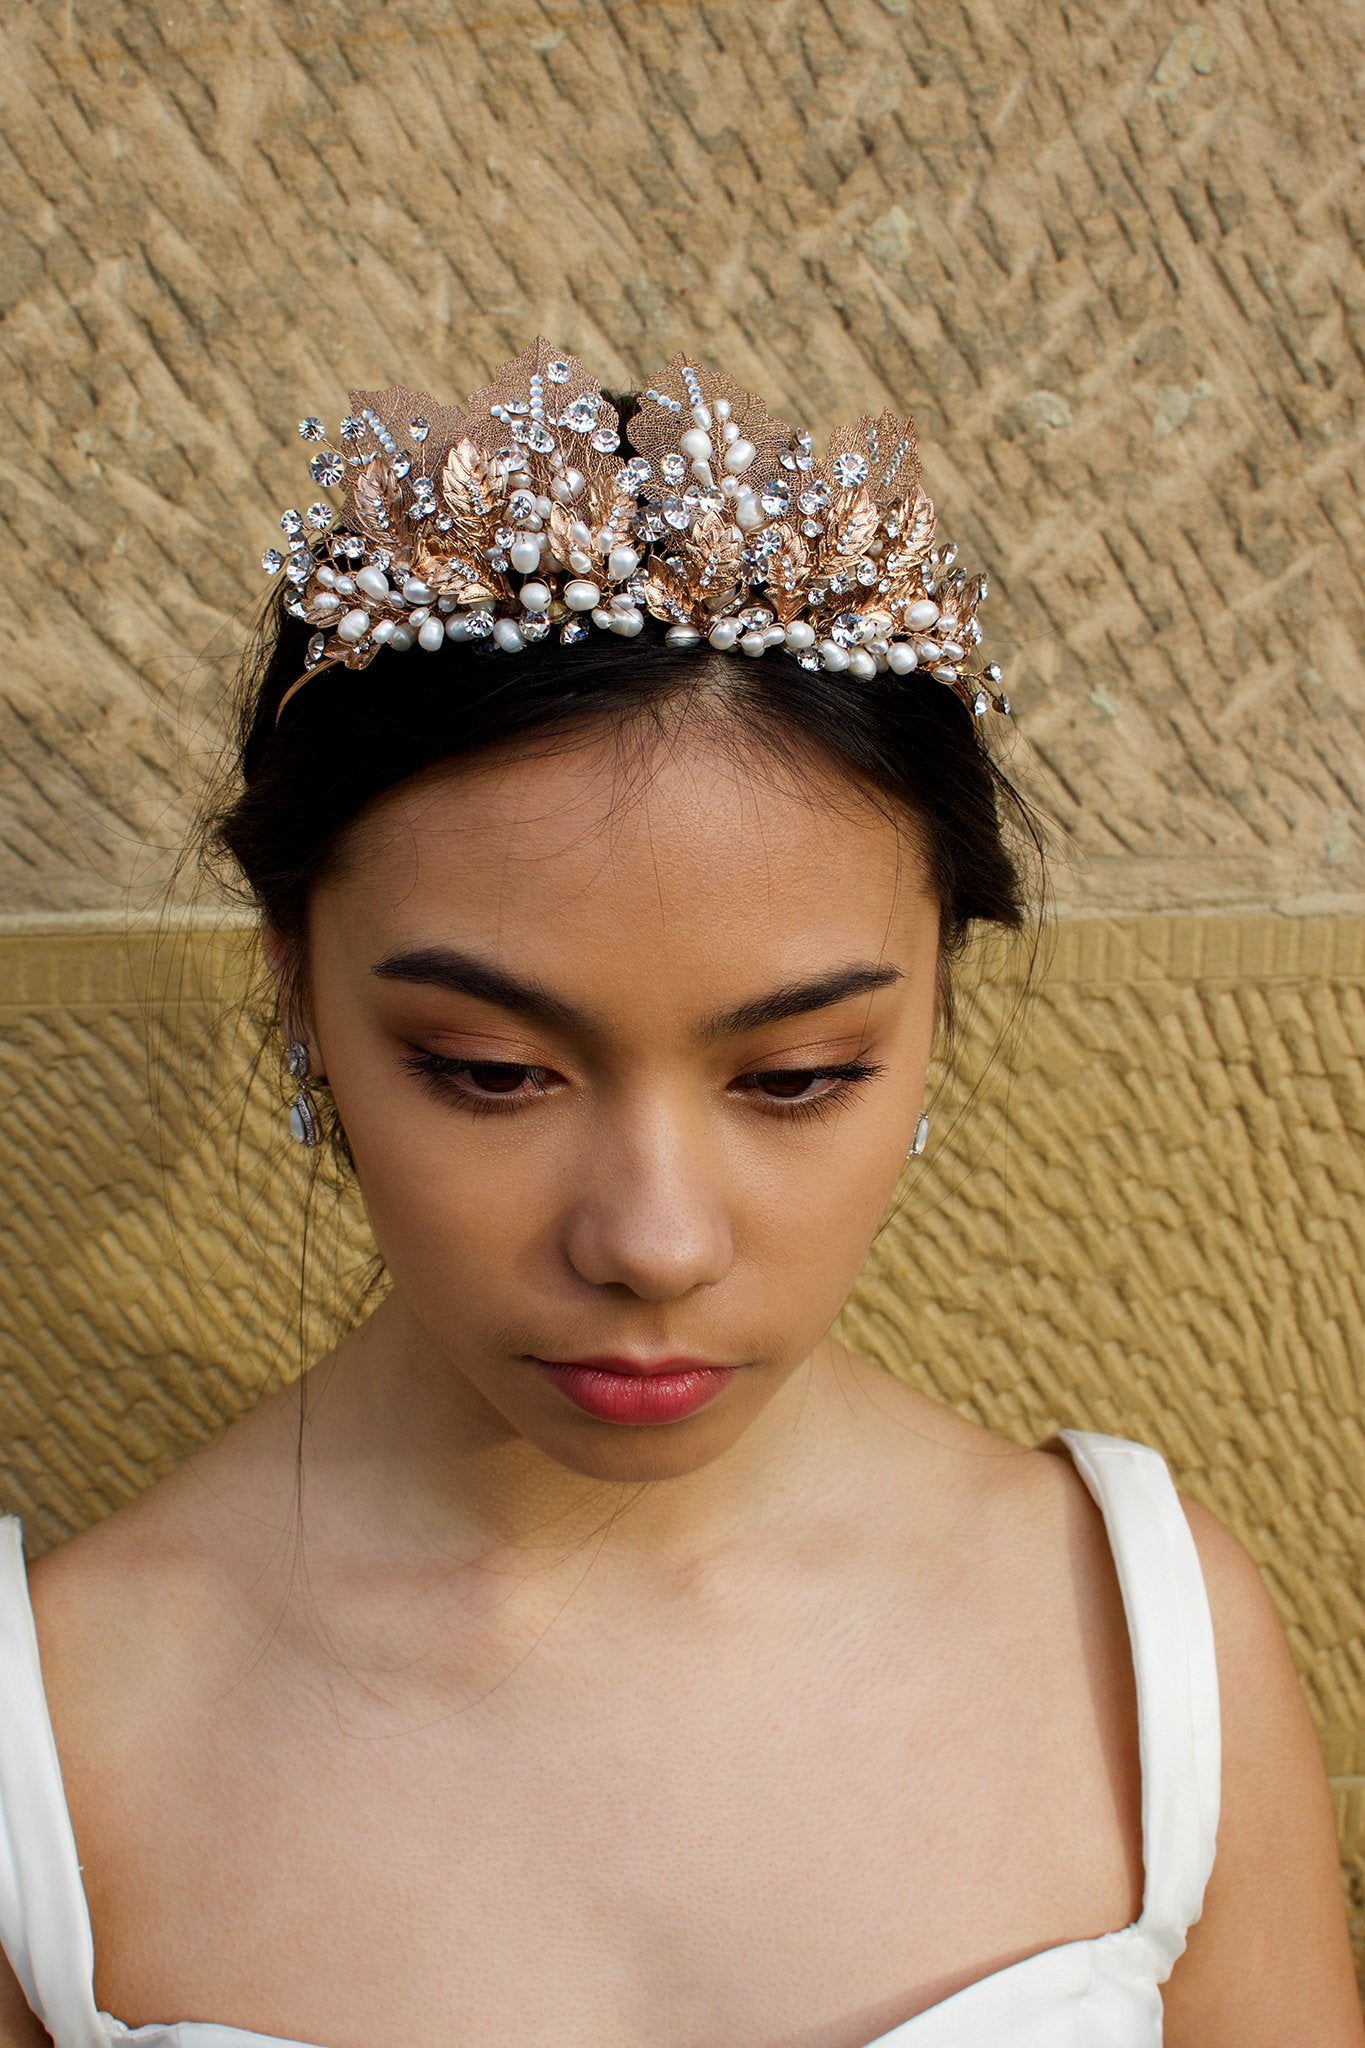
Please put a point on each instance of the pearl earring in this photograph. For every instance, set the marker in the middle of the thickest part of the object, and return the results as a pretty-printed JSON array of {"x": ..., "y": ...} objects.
[
  {"x": 304, "y": 1127},
  {"x": 920, "y": 1139}
]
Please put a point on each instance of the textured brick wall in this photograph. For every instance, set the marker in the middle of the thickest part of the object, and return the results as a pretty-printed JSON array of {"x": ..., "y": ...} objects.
[{"x": 1108, "y": 256}]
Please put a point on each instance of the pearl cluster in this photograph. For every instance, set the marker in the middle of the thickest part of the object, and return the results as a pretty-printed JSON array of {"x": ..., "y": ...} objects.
[{"x": 521, "y": 515}]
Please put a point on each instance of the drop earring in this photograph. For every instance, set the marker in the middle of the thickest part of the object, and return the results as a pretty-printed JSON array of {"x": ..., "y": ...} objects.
[
  {"x": 304, "y": 1127},
  {"x": 920, "y": 1139}
]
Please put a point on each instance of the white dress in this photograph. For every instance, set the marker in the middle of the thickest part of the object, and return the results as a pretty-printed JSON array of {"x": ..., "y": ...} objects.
[{"x": 1100, "y": 1993}]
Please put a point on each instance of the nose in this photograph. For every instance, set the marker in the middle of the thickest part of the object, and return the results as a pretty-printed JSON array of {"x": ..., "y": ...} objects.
[{"x": 650, "y": 1211}]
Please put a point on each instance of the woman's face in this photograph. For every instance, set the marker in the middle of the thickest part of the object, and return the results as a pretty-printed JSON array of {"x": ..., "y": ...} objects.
[{"x": 628, "y": 1063}]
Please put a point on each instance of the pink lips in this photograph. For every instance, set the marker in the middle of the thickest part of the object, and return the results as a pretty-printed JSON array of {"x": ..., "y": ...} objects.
[{"x": 638, "y": 1391}]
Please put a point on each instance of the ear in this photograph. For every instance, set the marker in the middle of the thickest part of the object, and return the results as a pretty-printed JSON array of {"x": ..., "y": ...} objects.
[{"x": 275, "y": 949}]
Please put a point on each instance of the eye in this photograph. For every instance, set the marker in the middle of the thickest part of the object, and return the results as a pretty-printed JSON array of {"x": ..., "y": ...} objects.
[
  {"x": 794, "y": 1090},
  {"x": 480, "y": 1084}
]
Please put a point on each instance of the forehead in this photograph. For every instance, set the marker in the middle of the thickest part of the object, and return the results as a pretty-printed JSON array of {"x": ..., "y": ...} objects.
[{"x": 686, "y": 842}]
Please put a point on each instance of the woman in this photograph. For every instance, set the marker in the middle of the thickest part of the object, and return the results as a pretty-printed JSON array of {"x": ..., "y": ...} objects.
[{"x": 610, "y": 1657}]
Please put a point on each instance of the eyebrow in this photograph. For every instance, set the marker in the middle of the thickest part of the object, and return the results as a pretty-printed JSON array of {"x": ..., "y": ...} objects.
[{"x": 465, "y": 974}]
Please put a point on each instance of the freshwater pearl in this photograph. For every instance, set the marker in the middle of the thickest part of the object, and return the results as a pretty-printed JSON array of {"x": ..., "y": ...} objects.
[
  {"x": 748, "y": 512},
  {"x": 723, "y": 634},
  {"x": 580, "y": 595},
  {"x": 627, "y": 622},
  {"x": 722, "y": 408},
  {"x": 458, "y": 627},
  {"x": 622, "y": 562},
  {"x": 952, "y": 650},
  {"x": 432, "y": 635},
  {"x": 799, "y": 635},
  {"x": 326, "y": 575},
  {"x": 702, "y": 415},
  {"x": 901, "y": 657},
  {"x": 354, "y": 626},
  {"x": 697, "y": 445},
  {"x": 833, "y": 656},
  {"x": 507, "y": 634},
  {"x": 862, "y": 665},
  {"x": 545, "y": 506},
  {"x": 415, "y": 591},
  {"x": 753, "y": 643},
  {"x": 682, "y": 636},
  {"x": 420, "y": 616},
  {"x": 524, "y": 553},
  {"x": 384, "y": 630},
  {"x": 739, "y": 455},
  {"x": 922, "y": 614},
  {"x": 580, "y": 561},
  {"x": 372, "y": 583},
  {"x": 325, "y": 601},
  {"x": 344, "y": 586},
  {"x": 402, "y": 638},
  {"x": 445, "y": 604},
  {"x": 535, "y": 596},
  {"x": 926, "y": 653},
  {"x": 774, "y": 636},
  {"x": 580, "y": 533}
]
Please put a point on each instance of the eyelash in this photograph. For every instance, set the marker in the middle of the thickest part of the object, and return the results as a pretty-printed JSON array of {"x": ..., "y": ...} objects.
[{"x": 438, "y": 1073}]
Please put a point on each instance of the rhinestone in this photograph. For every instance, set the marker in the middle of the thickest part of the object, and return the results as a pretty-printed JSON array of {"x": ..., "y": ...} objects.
[
  {"x": 421, "y": 508},
  {"x": 606, "y": 440},
  {"x": 381, "y": 559},
  {"x": 299, "y": 567},
  {"x": 533, "y": 435},
  {"x": 674, "y": 468},
  {"x": 849, "y": 471},
  {"x": 754, "y": 618},
  {"x": 504, "y": 536},
  {"x": 812, "y": 529},
  {"x": 815, "y": 497},
  {"x": 497, "y": 560},
  {"x": 810, "y": 659},
  {"x": 891, "y": 526},
  {"x": 775, "y": 498},
  {"x": 295, "y": 608},
  {"x": 981, "y": 703},
  {"x": 993, "y": 672},
  {"x": 352, "y": 428},
  {"x": 867, "y": 572},
  {"x": 711, "y": 500},
  {"x": 581, "y": 413},
  {"x": 522, "y": 506},
  {"x": 419, "y": 429},
  {"x": 573, "y": 629},
  {"x": 634, "y": 476},
  {"x": 350, "y": 545},
  {"x": 401, "y": 465},
  {"x": 291, "y": 521},
  {"x": 517, "y": 408},
  {"x": 327, "y": 469},
  {"x": 557, "y": 371},
  {"x": 534, "y": 625},
  {"x": 480, "y": 624},
  {"x": 982, "y": 589},
  {"x": 651, "y": 524},
  {"x": 320, "y": 516},
  {"x": 840, "y": 585},
  {"x": 1005, "y": 706},
  {"x": 311, "y": 430},
  {"x": 676, "y": 513},
  {"x": 272, "y": 561},
  {"x": 316, "y": 648},
  {"x": 847, "y": 630}
]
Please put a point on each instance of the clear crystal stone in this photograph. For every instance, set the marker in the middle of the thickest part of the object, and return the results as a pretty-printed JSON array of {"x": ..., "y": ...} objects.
[
  {"x": 352, "y": 428},
  {"x": 272, "y": 561},
  {"x": 867, "y": 572},
  {"x": 497, "y": 560},
  {"x": 606, "y": 440},
  {"x": 840, "y": 585},
  {"x": 517, "y": 408},
  {"x": 328, "y": 468},
  {"x": 534, "y": 625},
  {"x": 815, "y": 497},
  {"x": 804, "y": 440},
  {"x": 847, "y": 630},
  {"x": 291, "y": 522},
  {"x": 320, "y": 516},
  {"x": 381, "y": 559},
  {"x": 480, "y": 624},
  {"x": 350, "y": 545},
  {"x": 419, "y": 429},
  {"x": 811, "y": 528},
  {"x": 504, "y": 536},
  {"x": 401, "y": 465},
  {"x": 674, "y": 468},
  {"x": 810, "y": 659},
  {"x": 557, "y": 371},
  {"x": 650, "y": 524},
  {"x": 775, "y": 498},
  {"x": 981, "y": 703},
  {"x": 295, "y": 607},
  {"x": 634, "y": 475},
  {"x": 993, "y": 673},
  {"x": 533, "y": 435},
  {"x": 710, "y": 499},
  {"x": 573, "y": 629},
  {"x": 755, "y": 616},
  {"x": 581, "y": 413},
  {"x": 299, "y": 567},
  {"x": 849, "y": 471},
  {"x": 676, "y": 513},
  {"x": 316, "y": 648},
  {"x": 521, "y": 506},
  {"x": 1005, "y": 706},
  {"x": 311, "y": 430}
]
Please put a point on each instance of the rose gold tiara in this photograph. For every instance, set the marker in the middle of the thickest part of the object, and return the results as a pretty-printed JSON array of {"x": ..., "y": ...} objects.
[{"x": 520, "y": 514}]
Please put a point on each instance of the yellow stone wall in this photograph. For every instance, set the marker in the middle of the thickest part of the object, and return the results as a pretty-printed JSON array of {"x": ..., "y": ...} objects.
[{"x": 1109, "y": 259}]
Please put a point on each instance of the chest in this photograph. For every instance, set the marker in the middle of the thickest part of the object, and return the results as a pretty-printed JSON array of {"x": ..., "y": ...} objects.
[{"x": 801, "y": 1838}]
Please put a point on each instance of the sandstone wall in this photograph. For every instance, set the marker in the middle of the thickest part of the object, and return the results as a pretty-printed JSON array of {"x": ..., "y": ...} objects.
[{"x": 1108, "y": 256}]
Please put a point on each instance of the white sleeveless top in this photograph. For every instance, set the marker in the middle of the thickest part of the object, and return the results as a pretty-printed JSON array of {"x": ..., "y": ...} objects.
[{"x": 1101, "y": 1993}]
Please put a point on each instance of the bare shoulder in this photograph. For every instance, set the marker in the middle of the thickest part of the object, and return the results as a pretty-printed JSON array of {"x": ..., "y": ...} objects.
[{"x": 1269, "y": 1959}]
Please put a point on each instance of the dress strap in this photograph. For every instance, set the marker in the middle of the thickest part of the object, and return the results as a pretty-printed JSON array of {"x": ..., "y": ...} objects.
[
  {"x": 44, "y": 1919},
  {"x": 1171, "y": 1632}
]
